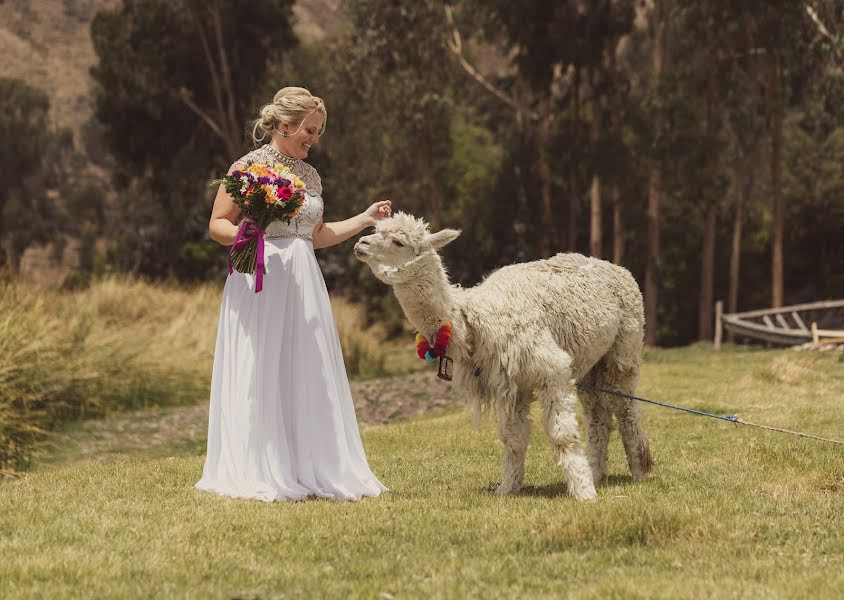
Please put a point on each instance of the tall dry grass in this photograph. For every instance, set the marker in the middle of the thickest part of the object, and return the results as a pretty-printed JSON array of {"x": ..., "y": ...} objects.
[
  {"x": 121, "y": 343},
  {"x": 363, "y": 350}
]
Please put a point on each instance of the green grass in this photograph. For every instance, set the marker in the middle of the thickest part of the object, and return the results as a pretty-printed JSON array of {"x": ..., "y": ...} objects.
[{"x": 728, "y": 512}]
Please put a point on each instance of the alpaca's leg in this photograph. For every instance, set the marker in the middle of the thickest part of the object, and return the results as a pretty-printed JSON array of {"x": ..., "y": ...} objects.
[
  {"x": 561, "y": 426},
  {"x": 599, "y": 425},
  {"x": 629, "y": 414},
  {"x": 514, "y": 430},
  {"x": 636, "y": 444}
]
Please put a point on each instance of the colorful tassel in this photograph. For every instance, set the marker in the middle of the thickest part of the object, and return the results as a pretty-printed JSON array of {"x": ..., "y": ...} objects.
[{"x": 441, "y": 340}]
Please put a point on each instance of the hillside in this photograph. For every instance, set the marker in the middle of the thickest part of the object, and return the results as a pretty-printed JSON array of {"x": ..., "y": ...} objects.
[{"x": 47, "y": 43}]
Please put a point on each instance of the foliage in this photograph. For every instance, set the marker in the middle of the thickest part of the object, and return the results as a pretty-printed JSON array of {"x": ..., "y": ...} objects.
[
  {"x": 408, "y": 123},
  {"x": 158, "y": 85},
  {"x": 33, "y": 159}
]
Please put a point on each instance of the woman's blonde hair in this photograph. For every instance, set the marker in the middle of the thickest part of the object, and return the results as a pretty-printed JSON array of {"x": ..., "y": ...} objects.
[{"x": 290, "y": 105}]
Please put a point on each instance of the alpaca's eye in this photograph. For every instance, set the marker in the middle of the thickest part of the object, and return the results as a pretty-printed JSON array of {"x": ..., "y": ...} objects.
[{"x": 398, "y": 243}]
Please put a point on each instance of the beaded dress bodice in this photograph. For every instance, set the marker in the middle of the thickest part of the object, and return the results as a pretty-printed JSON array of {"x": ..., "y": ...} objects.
[{"x": 302, "y": 226}]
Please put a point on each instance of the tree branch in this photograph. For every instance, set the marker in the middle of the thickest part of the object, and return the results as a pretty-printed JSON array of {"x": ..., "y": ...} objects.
[
  {"x": 185, "y": 97},
  {"x": 456, "y": 47},
  {"x": 226, "y": 83},
  {"x": 822, "y": 29},
  {"x": 216, "y": 85}
]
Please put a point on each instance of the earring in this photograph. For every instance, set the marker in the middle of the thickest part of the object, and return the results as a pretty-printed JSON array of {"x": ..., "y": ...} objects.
[{"x": 283, "y": 134}]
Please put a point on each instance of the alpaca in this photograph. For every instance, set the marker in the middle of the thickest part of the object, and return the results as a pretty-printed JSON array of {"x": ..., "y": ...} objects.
[{"x": 528, "y": 330}]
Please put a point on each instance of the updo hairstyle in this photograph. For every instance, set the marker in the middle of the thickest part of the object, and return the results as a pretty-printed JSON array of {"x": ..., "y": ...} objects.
[{"x": 290, "y": 105}]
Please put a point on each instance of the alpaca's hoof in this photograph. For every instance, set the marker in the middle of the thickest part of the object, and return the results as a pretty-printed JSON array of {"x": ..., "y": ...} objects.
[
  {"x": 585, "y": 494},
  {"x": 507, "y": 489}
]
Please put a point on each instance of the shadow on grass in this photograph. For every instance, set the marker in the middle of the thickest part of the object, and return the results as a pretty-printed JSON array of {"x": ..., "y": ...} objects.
[{"x": 554, "y": 490}]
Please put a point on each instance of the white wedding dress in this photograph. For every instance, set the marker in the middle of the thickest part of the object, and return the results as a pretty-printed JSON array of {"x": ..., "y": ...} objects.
[{"x": 282, "y": 425}]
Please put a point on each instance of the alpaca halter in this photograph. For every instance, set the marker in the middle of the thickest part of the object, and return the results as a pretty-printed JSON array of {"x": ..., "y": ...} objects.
[{"x": 428, "y": 353}]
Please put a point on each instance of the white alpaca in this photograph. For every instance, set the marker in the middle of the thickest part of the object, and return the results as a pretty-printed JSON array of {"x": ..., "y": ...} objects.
[{"x": 530, "y": 329}]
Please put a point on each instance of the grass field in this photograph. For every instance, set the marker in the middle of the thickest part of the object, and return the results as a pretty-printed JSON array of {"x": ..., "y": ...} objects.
[{"x": 729, "y": 512}]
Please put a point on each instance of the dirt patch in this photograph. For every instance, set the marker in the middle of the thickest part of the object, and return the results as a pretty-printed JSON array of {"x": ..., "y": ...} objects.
[{"x": 395, "y": 398}]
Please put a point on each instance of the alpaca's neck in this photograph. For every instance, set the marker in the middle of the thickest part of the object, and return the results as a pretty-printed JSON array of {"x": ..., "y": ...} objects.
[{"x": 427, "y": 297}]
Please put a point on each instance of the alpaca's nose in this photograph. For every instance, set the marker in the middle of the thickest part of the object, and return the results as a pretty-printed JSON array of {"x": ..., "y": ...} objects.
[{"x": 361, "y": 248}]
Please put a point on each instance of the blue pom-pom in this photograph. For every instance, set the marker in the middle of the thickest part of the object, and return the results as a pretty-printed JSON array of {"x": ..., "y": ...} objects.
[{"x": 430, "y": 356}]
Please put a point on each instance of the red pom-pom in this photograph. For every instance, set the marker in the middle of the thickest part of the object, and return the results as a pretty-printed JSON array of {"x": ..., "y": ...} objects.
[{"x": 442, "y": 338}]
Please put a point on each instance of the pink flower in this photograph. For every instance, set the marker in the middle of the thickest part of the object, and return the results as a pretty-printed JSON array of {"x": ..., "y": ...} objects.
[{"x": 285, "y": 193}]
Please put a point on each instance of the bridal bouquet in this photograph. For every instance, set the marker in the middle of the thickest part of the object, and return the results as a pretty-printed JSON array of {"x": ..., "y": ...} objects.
[{"x": 264, "y": 194}]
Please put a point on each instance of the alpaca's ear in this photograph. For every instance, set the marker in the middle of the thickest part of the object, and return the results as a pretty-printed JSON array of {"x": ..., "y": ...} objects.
[{"x": 441, "y": 238}]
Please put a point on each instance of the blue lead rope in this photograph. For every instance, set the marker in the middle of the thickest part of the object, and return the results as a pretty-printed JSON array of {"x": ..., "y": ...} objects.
[
  {"x": 731, "y": 418},
  {"x": 586, "y": 386}
]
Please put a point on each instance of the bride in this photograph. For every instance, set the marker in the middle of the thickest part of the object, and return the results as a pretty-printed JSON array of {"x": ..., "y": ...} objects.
[{"x": 282, "y": 424}]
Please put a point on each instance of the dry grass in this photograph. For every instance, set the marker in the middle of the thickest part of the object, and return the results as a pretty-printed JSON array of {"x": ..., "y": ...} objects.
[{"x": 121, "y": 343}]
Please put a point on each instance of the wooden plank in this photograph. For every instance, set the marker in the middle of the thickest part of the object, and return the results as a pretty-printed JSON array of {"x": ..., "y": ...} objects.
[
  {"x": 796, "y": 307},
  {"x": 782, "y": 321},
  {"x": 787, "y": 337},
  {"x": 815, "y": 333},
  {"x": 831, "y": 332},
  {"x": 768, "y": 321},
  {"x": 760, "y": 332},
  {"x": 799, "y": 321}
]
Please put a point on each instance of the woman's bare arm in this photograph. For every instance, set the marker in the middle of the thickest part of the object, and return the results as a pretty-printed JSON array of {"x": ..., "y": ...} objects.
[
  {"x": 222, "y": 226},
  {"x": 331, "y": 234}
]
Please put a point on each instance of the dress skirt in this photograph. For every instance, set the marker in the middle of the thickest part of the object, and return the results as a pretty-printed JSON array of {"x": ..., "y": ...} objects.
[{"x": 282, "y": 425}]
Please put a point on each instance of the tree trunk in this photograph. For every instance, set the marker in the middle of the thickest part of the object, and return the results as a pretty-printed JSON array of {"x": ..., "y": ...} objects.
[
  {"x": 776, "y": 185},
  {"x": 615, "y": 125},
  {"x": 707, "y": 267},
  {"x": 596, "y": 225},
  {"x": 617, "y": 228},
  {"x": 595, "y": 238},
  {"x": 544, "y": 175},
  {"x": 652, "y": 267},
  {"x": 574, "y": 194},
  {"x": 744, "y": 185},
  {"x": 707, "y": 275},
  {"x": 222, "y": 117},
  {"x": 654, "y": 193}
]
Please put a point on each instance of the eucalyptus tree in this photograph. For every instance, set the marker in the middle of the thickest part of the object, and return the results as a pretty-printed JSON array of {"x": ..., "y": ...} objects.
[{"x": 175, "y": 85}]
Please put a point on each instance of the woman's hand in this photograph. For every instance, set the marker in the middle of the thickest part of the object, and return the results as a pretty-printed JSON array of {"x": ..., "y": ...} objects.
[{"x": 379, "y": 210}]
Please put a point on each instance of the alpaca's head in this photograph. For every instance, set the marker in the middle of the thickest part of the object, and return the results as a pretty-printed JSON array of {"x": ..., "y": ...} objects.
[{"x": 399, "y": 242}]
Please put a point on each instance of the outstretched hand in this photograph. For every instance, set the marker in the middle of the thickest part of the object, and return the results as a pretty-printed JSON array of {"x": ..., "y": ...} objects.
[{"x": 379, "y": 210}]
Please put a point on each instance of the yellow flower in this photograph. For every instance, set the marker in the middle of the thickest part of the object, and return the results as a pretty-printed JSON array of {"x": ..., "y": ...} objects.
[{"x": 259, "y": 170}]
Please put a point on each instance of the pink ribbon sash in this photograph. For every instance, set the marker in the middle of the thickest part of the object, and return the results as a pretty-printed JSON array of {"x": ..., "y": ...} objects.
[{"x": 246, "y": 233}]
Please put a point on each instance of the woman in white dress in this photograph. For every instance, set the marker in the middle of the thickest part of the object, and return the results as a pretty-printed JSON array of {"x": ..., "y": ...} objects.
[{"x": 282, "y": 424}]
